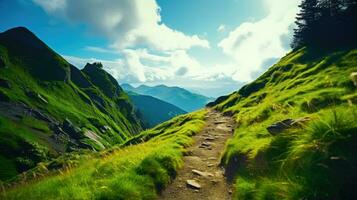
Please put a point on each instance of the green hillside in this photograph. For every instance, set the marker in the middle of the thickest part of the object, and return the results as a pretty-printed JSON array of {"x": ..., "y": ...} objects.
[
  {"x": 296, "y": 129},
  {"x": 295, "y": 138},
  {"x": 127, "y": 172},
  {"x": 177, "y": 96},
  {"x": 154, "y": 111},
  {"x": 48, "y": 106}
]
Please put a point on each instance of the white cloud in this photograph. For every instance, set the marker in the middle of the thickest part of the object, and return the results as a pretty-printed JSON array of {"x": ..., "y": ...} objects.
[
  {"x": 52, "y": 6},
  {"x": 153, "y": 53},
  {"x": 221, "y": 28},
  {"x": 253, "y": 43},
  {"x": 127, "y": 23},
  {"x": 175, "y": 68}
]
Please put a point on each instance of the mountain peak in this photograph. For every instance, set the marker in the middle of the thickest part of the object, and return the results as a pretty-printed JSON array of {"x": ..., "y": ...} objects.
[
  {"x": 127, "y": 86},
  {"x": 41, "y": 61},
  {"x": 97, "y": 65},
  {"x": 23, "y": 36},
  {"x": 102, "y": 79},
  {"x": 19, "y": 29}
]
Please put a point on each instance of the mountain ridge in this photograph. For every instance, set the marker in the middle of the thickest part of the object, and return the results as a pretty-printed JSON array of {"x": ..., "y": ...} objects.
[
  {"x": 154, "y": 110},
  {"x": 177, "y": 96}
]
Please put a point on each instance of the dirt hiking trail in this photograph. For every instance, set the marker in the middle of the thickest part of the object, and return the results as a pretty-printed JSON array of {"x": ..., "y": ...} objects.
[{"x": 201, "y": 178}]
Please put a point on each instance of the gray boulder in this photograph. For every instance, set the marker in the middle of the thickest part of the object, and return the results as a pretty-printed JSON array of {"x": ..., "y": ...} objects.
[{"x": 279, "y": 127}]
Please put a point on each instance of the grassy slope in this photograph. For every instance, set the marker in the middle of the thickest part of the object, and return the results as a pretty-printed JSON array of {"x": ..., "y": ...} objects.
[
  {"x": 132, "y": 172},
  {"x": 32, "y": 67},
  {"x": 309, "y": 163}
]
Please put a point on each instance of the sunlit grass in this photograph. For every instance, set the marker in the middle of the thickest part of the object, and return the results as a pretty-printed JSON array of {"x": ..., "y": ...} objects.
[
  {"x": 131, "y": 172},
  {"x": 311, "y": 162}
]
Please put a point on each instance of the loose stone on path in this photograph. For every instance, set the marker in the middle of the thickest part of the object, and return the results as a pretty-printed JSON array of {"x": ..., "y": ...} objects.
[
  {"x": 201, "y": 177},
  {"x": 193, "y": 184}
]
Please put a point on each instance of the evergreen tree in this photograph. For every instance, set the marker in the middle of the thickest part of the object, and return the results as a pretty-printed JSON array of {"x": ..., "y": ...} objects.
[
  {"x": 305, "y": 20},
  {"x": 327, "y": 24}
]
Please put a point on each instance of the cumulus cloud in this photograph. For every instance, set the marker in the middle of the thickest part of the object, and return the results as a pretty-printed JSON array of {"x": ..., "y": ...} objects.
[
  {"x": 136, "y": 66},
  {"x": 127, "y": 23},
  {"x": 150, "y": 52},
  {"x": 252, "y": 44}
]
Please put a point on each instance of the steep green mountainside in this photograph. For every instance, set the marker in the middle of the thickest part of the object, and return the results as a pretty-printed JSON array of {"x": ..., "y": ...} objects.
[
  {"x": 154, "y": 111},
  {"x": 179, "y": 97},
  {"x": 48, "y": 106},
  {"x": 296, "y": 129},
  {"x": 130, "y": 171}
]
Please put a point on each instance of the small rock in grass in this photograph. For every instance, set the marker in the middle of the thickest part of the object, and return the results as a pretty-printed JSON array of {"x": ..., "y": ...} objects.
[{"x": 281, "y": 126}]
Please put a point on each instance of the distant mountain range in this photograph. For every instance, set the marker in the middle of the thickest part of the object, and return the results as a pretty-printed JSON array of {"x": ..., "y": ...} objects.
[
  {"x": 154, "y": 110},
  {"x": 182, "y": 98}
]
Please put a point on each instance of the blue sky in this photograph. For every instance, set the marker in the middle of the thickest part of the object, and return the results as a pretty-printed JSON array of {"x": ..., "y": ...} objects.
[{"x": 212, "y": 47}]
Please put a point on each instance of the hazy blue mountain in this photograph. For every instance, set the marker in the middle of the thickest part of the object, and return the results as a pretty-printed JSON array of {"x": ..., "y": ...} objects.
[
  {"x": 177, "y": 96},
  {"x": 153, "y": 110}
]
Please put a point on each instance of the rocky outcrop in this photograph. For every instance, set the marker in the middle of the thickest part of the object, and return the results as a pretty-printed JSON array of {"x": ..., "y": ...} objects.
[
  {"x": 95, "y": 138},
  {"x": 78, "y": 78},
  {"x": 72, "y": 130},
  {"x": 102, "y": 79},
  {"x": 281, "y": 126}
]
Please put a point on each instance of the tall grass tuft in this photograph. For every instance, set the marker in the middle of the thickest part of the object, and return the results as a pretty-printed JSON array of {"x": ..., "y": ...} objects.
[{"x": 323, "y": 158}]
